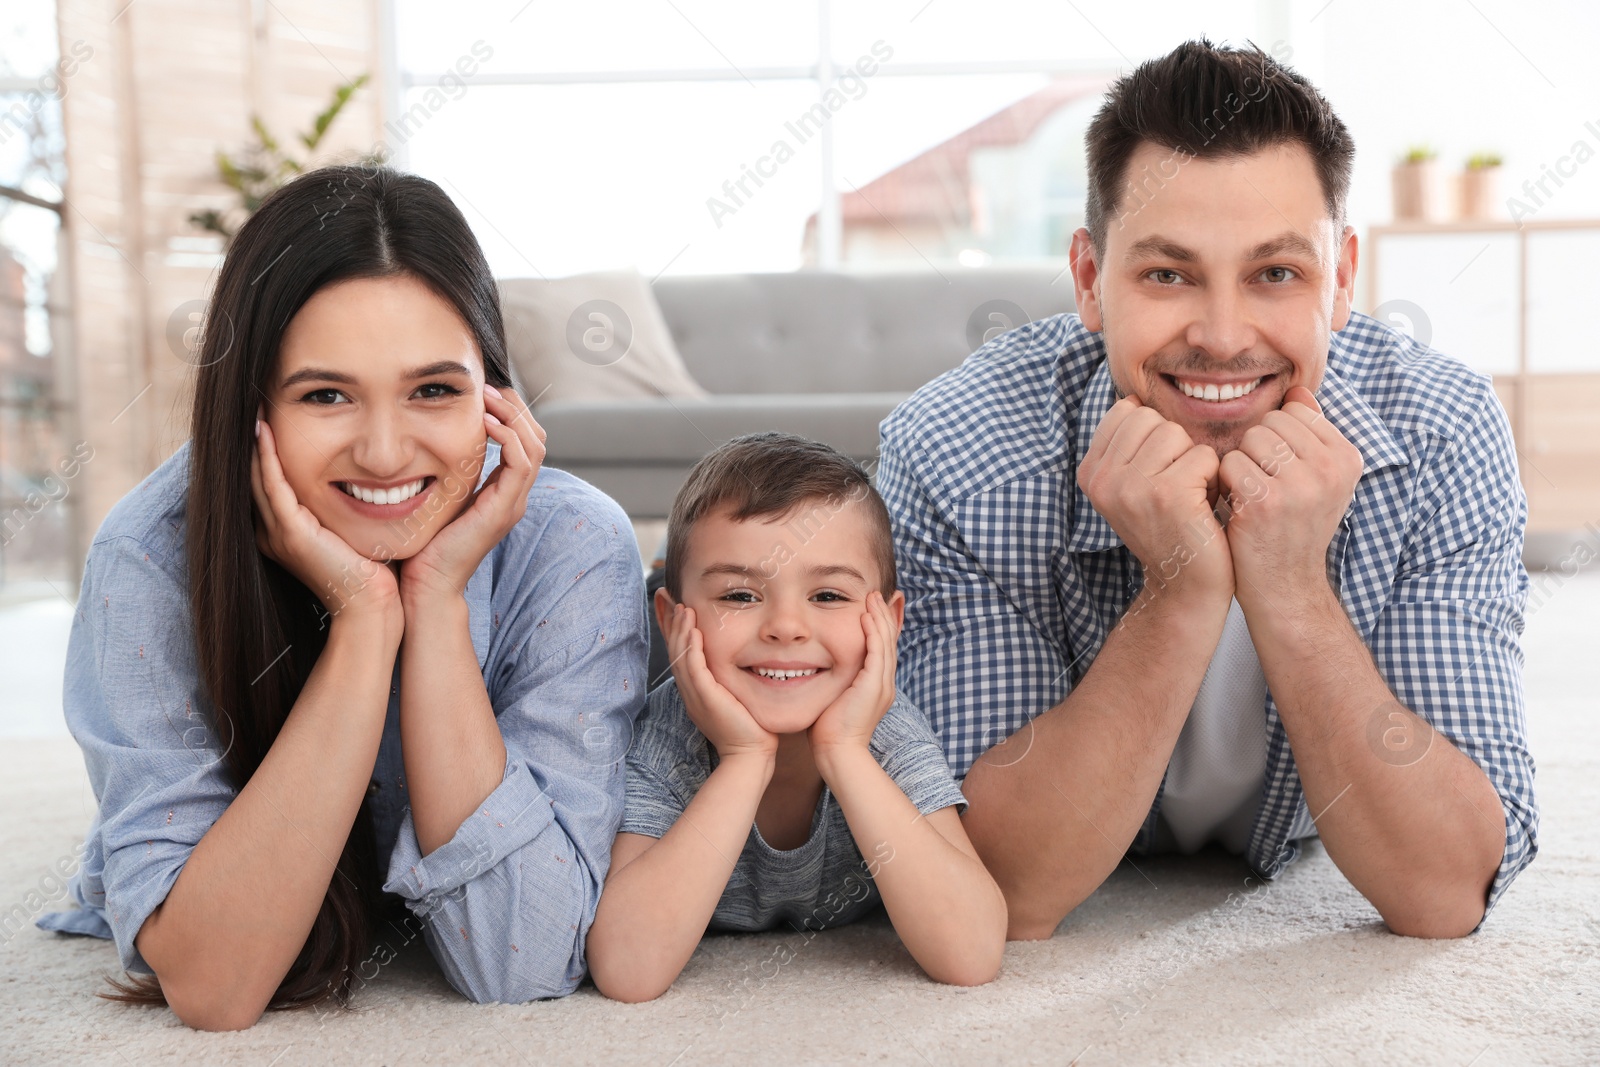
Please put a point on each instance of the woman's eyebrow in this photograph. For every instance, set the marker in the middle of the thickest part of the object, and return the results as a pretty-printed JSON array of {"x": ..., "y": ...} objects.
[
  {"x": 442, "y": 366},
  {"x": 317, "y": 374}
]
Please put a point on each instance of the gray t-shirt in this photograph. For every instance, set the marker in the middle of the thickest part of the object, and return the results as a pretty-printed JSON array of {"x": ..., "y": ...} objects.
[{"x": 823, "y": 883}]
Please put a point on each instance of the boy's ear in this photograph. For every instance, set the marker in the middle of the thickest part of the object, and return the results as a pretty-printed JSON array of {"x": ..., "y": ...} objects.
[
  {"x": 663, "y": 605},
  {"x": 897, "y": 608}
]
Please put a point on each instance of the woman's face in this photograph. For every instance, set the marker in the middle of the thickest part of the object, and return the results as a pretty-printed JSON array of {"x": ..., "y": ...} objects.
[{"x": 376, "y": 406}]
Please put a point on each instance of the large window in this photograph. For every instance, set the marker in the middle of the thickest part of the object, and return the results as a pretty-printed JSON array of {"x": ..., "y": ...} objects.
[
  {"x": 34, "y": 523},
  {"x": 709, "y": 135}
]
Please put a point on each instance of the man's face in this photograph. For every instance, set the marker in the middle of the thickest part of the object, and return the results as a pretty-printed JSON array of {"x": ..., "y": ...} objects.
[
  {"x": 379, "y": 387},
  {"x": 1219, "y": 286},
  {"x": 779, "y": 602}
]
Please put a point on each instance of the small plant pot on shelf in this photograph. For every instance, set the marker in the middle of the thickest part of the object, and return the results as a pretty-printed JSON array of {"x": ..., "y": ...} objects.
[
  {"x": 1417, "y": 196},
  {"x": 1480, "y": 192}
]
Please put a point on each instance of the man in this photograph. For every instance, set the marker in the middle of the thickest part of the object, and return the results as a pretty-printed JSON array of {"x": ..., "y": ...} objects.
[{"x": 1112, "y": 665}]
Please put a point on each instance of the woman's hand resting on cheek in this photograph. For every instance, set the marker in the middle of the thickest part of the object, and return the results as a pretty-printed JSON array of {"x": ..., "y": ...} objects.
[
  {"x": 289, "y": 534},
  {"x": 445, "y": 563}
]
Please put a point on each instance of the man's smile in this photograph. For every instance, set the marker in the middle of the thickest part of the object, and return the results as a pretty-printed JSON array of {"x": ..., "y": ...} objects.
[
  {"x": 1212, "y": 391},
  {"x": 1197, "y": 399}
]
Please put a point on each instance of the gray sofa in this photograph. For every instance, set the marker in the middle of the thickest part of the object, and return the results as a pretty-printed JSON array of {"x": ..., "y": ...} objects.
[{"x": 825, "y": 355}]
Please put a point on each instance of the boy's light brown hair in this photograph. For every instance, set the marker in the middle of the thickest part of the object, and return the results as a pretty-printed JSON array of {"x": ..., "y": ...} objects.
[{"x": 762, "y": 475}]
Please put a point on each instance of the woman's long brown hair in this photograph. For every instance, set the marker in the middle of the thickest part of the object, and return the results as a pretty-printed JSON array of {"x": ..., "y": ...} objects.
[{"x": 324, "y": 227}]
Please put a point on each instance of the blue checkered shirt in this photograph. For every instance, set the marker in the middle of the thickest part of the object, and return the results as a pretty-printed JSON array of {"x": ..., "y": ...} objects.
[{"x": 1013, "y": 580}]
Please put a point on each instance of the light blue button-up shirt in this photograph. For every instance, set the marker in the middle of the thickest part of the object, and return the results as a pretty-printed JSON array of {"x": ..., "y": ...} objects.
[{"x": 557, "y": 618}]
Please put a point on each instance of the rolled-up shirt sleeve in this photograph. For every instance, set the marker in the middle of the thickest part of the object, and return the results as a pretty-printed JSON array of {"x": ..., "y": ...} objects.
[
  {"x": 507, "y": 902},
  {"x": 154, "y": 758},
  {"x": 1448, "y": 643}
]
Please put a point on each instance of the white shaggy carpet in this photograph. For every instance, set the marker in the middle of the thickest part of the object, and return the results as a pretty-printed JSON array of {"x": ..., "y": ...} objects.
[{"x": 1175, "y": 962}]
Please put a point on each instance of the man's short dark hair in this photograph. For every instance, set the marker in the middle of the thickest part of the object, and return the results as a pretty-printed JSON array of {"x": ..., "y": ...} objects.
[
  {"x": 764, "y": 475},
  {"x": 1200, "y": 100}
]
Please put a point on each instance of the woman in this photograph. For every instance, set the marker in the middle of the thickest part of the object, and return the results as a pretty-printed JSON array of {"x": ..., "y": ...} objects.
[{"x": 335, "y": 649}]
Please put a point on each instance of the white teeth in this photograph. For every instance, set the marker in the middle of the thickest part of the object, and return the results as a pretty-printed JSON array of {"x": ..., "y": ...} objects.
[
  {"x": 384, "y": 496},
  {"x": 767, "y": 672},
  {"x": 1211, "y": 391}
]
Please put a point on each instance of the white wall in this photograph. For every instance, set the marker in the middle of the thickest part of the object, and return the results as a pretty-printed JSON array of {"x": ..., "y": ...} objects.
[
  {"x": 568, "y": 178},
  {"x": 1517, "y": 78}
]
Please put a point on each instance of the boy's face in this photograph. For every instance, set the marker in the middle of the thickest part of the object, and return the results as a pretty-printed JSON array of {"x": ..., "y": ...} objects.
[{"x": 782, "y": 593}]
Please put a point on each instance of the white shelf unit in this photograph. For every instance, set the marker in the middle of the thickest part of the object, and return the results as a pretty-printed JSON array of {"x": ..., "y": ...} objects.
[{"x": 1515, "y": 301}]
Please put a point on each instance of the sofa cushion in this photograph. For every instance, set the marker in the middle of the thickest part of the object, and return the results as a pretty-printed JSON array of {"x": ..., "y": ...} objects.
[
  {"x": 677, "y": 433},
  {"x": 814, "y": 332},
  {"x": 590, "y": 337}
]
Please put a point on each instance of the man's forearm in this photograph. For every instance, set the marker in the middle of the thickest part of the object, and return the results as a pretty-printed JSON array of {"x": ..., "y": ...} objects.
[
  {"x": 1411, "y": 820},
  {"x": 1054, "y": 808}
]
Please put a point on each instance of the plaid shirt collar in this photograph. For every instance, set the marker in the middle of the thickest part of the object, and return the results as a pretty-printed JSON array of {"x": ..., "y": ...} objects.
[{"x": 1341, "y": 405}]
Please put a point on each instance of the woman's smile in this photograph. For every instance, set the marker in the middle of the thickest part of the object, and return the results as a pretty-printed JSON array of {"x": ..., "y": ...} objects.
[{"x": 394, "y": 500}]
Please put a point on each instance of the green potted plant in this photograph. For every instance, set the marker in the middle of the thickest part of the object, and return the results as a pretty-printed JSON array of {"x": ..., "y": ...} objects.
[
  {"x": 1416, "y": 186},
  {"x": 1480, "y": 186},
  {"x": 261, "y": 167}
]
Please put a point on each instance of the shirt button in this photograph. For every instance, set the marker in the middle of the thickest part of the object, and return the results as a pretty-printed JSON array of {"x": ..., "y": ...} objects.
[{"x": 372, "y": 788}]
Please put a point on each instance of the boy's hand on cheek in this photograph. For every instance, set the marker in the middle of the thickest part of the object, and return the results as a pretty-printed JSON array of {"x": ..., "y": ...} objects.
[
  {"x": 717, "y": 713},
  {"x": 850, "y": 720}
]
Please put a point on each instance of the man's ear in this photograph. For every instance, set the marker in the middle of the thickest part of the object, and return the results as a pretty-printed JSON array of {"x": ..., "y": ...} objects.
[
  {"x": 663, "y": 605},
  {"x": 1085, "y": 280},
  {"x": 1344, "y": 292}
]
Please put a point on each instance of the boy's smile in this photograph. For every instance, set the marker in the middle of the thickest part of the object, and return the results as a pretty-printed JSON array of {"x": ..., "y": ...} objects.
[{"x": 779, "y": 604}]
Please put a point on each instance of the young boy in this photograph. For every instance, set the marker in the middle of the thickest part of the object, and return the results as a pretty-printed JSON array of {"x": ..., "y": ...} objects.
[{"x": 780, "y": 754}]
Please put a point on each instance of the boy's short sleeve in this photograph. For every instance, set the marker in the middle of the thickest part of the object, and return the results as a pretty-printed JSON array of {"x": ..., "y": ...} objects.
[
  {"x": 651, "y": 809},
  {"x": 666, "y": 765},
  {"x": 905, "y": 747}
]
